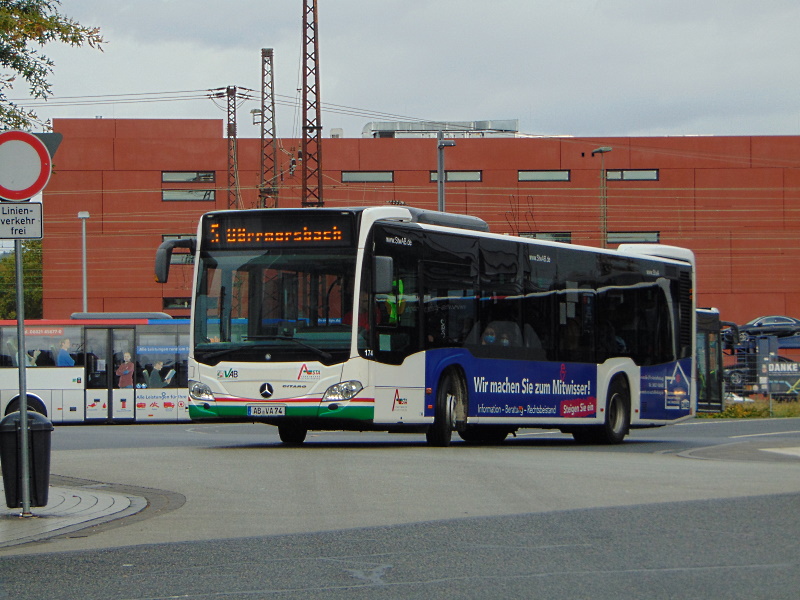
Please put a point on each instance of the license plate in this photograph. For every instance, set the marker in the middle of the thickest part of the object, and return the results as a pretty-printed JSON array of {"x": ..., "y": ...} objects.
[{"x": 270, "y": 410}]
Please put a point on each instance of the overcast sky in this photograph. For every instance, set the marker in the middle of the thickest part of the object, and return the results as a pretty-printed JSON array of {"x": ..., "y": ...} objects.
[{"x": 562, "y": 67}]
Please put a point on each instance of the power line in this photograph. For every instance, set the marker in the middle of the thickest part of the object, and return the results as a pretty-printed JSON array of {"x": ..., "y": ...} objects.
[
  {"x": 347, "y": 110},
  {"x": 646, "y": 145},
  {"x": 191, "y": 95}
]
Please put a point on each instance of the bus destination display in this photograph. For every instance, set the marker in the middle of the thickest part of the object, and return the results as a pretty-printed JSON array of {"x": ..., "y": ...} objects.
[{"x": 251, "y": 230}]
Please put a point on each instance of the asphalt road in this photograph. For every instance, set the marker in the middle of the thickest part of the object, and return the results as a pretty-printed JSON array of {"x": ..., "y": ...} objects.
[{"x": 706, "y": 509}]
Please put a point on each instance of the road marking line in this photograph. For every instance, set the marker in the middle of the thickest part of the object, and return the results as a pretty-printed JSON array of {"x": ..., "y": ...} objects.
[
  {"x": 762, "y": 434},
  {"x": 789, "y": 451}
]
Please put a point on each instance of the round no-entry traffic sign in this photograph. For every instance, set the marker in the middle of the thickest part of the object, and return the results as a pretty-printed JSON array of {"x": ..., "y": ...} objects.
[{"x": 25, "y": 165}]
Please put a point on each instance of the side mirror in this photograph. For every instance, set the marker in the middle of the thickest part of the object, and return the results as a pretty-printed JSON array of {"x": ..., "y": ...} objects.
[
  {"x": 164, "y": 255},
  {"x": 383, "y": 270}
]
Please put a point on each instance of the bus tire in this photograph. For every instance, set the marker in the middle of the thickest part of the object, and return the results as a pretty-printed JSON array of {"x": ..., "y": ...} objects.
[
  {"x": 34, "y": 405},
  {"x": 291, "y": 433},
  {"x": 618, "y": 418},
  {"x": 618, "y": 413},
  {"x": 450, "y": 400}
]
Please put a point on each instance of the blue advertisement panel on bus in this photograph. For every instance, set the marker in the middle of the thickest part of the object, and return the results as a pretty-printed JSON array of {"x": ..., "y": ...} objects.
[
  {"x": 666, "y": 390},
  {"x": 548, "y": 390}
]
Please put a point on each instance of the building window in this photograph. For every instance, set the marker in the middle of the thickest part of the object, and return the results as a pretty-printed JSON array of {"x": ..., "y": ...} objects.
[
  {"x": 543, "y": 176},
  {"x": 633, "y": 237},
  {"x": 633, "y": 175},
  {"x": 187, "y": 176},
  {"x": 177, "y": 303},
  {"x": 367, "y": 176},
  {"x": 458, "y": 176},
  {"x": 187, "y": 195},
  {"x": 564, "y": 237}
]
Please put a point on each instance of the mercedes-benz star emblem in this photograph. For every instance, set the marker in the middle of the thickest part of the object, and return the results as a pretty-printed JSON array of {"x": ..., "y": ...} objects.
[{"x": 266, "y": 390}]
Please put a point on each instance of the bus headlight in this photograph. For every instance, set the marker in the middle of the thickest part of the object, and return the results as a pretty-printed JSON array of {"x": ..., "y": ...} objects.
[
  {"x": 200, "y": 392},
  {"x": 342, "y": 391}
]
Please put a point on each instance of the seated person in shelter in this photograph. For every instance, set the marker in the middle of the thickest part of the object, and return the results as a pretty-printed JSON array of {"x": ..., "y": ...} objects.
[
  {"x": 31, "y": 356},
  {"x": 63, "y": 358},
  {"x": 502, "y": 334},
  {"x": 155, "y": 379}
]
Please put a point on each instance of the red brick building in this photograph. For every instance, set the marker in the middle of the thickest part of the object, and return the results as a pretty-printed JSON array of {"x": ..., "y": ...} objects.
[{"x": 735, "y": 201}]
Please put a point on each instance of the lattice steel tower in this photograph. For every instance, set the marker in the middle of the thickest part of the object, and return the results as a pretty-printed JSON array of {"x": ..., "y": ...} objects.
[
  {"x": 312, "y": 128},
  {"x": 233, "y": 167},
  {"x": 268, "y": 186}
]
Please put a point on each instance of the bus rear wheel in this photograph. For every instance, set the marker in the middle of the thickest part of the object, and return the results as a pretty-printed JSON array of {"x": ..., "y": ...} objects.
[
  {"x": 451, "y": 402},
  {"x": 618, "y": 414},
  {"x": 34, "y": 405},
  {"x": 617, "y": 421},
  {"x": 290, "y": 433}
]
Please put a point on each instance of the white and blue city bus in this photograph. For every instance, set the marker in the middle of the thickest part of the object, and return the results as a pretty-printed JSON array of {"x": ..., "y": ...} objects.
[{"x": 400, "y": 319}]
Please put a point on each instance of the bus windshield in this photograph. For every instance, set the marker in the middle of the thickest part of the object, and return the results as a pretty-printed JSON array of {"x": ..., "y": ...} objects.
[{"x": 274, "y": 304}]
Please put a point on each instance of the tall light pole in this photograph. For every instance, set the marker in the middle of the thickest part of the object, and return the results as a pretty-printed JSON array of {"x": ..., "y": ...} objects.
[
  {"x": 83, "y": 215},
  {"x": 441, "y": 144},
  {"x": 602, "y": 150}
]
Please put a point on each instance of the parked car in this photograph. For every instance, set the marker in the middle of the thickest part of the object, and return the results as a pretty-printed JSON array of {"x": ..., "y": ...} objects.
[
  {"x": 746, "y": 369},
  {"x": 772, "y": 325}
]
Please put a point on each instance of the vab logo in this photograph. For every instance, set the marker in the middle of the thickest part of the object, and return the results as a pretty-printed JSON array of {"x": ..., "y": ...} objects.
[
  {"x": 398, "y": 401},
  {"x": 229, "y": 374},
  {"x": 306, "y": 373}
]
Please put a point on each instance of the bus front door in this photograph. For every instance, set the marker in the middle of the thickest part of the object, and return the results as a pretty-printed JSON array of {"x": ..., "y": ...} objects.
[{"x": 110, "y": 374}]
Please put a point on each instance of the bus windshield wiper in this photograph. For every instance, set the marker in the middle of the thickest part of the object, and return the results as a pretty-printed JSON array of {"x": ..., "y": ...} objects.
[
  {"x": 288, "y": 338},
  {"x": 223, "y": 352}
]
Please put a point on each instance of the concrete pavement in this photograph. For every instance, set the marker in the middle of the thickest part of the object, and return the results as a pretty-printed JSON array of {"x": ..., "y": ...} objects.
[
  {"x": 78, "y": 508},
  {"x": 73, "y": 505}
]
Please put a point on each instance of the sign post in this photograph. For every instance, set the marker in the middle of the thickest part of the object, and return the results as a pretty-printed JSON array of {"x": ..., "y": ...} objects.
[{"x": 25, "y": 167}]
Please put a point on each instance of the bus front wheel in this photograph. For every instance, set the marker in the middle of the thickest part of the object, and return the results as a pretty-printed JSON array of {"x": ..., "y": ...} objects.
[
  {"x": 291, "y": 433},
  {"x": 451, "y": 402}
]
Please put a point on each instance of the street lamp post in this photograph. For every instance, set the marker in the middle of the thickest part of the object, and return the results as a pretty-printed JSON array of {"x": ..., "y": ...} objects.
[
  {"x": 83, "y": 215},
  {"x": 441, "y": 144},
  {"x": 602, "y": 150}
]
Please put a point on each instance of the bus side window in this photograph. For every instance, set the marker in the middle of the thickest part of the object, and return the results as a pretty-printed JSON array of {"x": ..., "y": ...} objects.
[
  {"x": 449, "y": 303},
  {"x": 576, "y": 330},
  {"x": 395, "y": 303},
  {"x": 397, "y": 319},
  {"x": 534, "y": 347}
]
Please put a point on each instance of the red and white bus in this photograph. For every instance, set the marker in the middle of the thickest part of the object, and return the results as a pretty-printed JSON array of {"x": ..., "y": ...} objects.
[{"x": 99, "y": 368}]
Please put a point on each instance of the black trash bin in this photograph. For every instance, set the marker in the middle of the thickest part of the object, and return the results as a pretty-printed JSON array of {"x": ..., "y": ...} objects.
[{"x": 40, "y": 429}]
